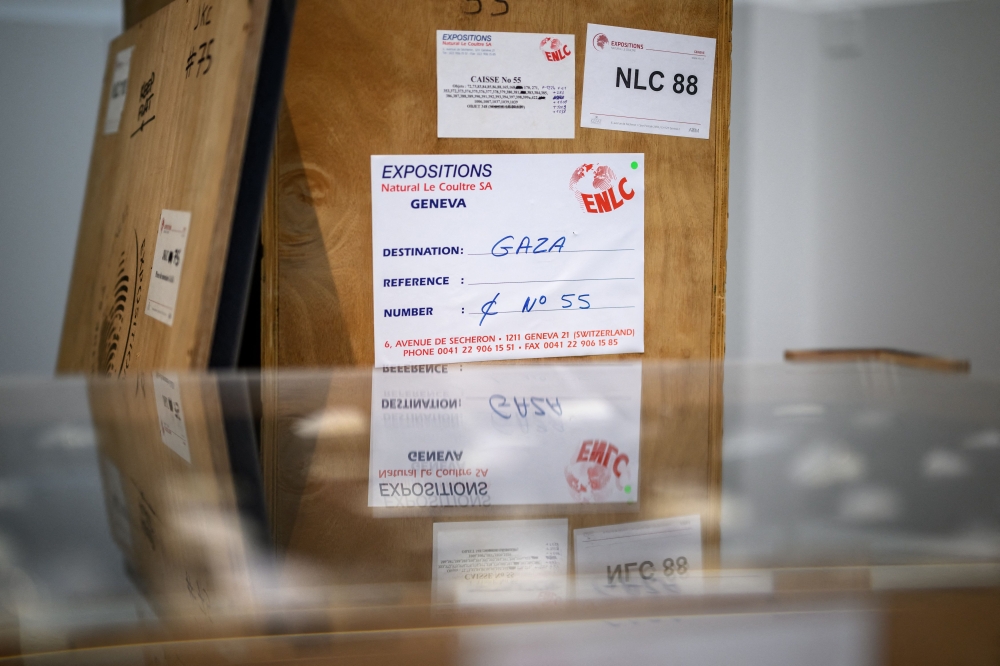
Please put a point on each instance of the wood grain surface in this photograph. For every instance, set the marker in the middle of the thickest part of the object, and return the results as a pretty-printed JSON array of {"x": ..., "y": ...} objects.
[
  {"x": 183, "y": 153},
  {"x": 362, "y": 82},
  {"x": 137, "y": 10}
]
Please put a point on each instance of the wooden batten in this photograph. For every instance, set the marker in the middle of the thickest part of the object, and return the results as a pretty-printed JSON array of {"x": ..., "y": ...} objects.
[{"x": 878, "y": 355}]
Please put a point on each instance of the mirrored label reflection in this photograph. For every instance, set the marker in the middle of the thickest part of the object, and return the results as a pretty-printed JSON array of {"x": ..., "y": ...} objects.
[
  {"x": 500, "y": 561},
  {"x": 465, "y": 436},
  {"x": 651, "y": 557},
  {"x": 173, "y": 432}
]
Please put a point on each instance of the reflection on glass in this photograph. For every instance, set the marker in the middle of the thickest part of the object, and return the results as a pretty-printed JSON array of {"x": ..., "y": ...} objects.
[
  {"x": 171, "y": 496},
  {"x": 648, "y": 557},
  {"x": 465, "y": 436},
  {"x": 826, "y": 483},
  {"x": 500, "y": 561}
]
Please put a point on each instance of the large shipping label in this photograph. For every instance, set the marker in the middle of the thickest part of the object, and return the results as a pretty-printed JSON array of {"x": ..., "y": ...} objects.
[{"x": 485, "y": 257}]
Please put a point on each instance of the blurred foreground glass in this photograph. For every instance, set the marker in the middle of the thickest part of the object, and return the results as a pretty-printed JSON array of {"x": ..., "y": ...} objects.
[{"x": 531, "y": 513}]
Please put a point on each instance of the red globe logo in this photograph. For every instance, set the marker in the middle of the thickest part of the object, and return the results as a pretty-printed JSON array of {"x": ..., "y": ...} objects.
[
  {"x": 598, "y": 472},
  {"x": 589, "y": 179},
  {"x": 550, "y": 44},
  {"x": 600, "y": 41},
  {"x": 598, "y": 190},
  {"x": 554, "y": 49}
]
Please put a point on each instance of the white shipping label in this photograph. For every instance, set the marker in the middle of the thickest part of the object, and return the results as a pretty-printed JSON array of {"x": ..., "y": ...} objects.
[
  {"x": 649, "y": 82},
  {"x": 500, "y": 561},
  {"x": 485, "y": 257},
  {"x": 173, "y": 432},
  {"x": 168, "y": 260},
  {"x": 506, "y": 85},
  {"x": 651, "y": 557},
  {"x": 118, "y": 91},
  {"x": 461, "y": 436}
]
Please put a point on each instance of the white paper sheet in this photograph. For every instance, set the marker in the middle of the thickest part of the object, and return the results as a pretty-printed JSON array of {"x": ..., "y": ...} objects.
[
  {"x": 651, "y": 557},
  {"x": 483, "y": 257},
  {"x": 118, "y": 91},
  {"x": 459, "y": 436},
  {"x": 168, "y": 261},
  {"x": 500, "y": 561},
  {"x": 649, "y": 82},
  {"x": 510, "y": 85}
]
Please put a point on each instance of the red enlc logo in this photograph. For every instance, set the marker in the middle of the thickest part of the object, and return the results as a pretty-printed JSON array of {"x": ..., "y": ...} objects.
[
  {"x": 554, "y": 50},
  {"x": 598, "y": 472},
  {"x": 601, "y": 452},
  {"x": 598, "y": 190}
]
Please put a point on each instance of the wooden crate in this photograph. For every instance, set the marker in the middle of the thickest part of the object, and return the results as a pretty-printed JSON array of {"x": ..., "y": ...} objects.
[
  {"x": 194, "y": 136},
  {"x": 361, "y": 82}
]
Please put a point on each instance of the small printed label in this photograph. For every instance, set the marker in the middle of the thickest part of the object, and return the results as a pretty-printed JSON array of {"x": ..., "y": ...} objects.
[
  {"x": 647, "y": 558},
  {"x": 171, "y": 416},
  {"x": 509, "y": 85},
  {"x": 168, "y": 260},
  {"x": 119, "y": 88},
  {"x": 648, "y": 82},
  {"x": 500, "y": 561}
]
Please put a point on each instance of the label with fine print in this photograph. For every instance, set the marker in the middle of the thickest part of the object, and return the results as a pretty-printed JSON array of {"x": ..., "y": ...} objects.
[
  {"x": 500, "y": 561},
  {"x": 510, "y": 85}
]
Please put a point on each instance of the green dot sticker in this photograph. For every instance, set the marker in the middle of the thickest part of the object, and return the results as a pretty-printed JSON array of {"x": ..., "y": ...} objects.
[
  {"x": 635, "y": 165},
  {"x": 628, "y": 489}
]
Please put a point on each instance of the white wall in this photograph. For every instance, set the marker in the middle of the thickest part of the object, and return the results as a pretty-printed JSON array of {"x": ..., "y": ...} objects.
[
  {"x": 866, "y": 181},
  {"x": 51, "y": 70}
]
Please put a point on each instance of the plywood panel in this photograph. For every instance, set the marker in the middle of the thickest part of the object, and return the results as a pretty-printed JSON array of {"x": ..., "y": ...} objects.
[
  {"x": 137, "y": 10},
  {"x": 180, "y": 146},
  {"x": 362, "y": 81}
]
